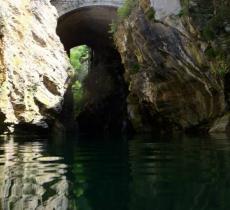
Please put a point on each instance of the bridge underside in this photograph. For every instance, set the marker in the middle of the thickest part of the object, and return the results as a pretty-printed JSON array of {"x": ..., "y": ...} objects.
[
  {"x": 87, "y": 25},
  {"x": 105, "y": 102}
]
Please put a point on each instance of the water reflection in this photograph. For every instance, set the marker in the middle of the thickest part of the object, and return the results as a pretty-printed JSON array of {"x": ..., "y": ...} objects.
[
  {"x": 29, "y": 179},
  {"x": 101, "y": 175},
  {"x": 153, "y": 174},
  {"x": 182, "y": 173},
  {"x": 144, "y": 173}
]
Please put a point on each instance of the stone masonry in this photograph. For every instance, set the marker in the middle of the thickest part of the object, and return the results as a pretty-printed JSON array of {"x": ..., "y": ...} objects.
[{"x": 65, "y": 6}]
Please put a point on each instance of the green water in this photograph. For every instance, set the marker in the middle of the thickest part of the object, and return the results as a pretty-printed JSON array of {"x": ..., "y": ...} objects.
[{"x": 142, "y": 173}]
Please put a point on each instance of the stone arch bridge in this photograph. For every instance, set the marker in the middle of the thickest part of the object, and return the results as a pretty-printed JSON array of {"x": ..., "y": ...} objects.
[
  {"x": 85, "y": 21},
  {"x": 65, "y": 6}
]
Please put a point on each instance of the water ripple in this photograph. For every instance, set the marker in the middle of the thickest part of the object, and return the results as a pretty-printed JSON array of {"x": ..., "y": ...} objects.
[{"x": 31, "y": 180}]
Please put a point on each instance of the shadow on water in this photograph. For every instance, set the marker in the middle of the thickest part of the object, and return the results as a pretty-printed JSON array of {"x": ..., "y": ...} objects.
[{"x": 143, "y": 173}]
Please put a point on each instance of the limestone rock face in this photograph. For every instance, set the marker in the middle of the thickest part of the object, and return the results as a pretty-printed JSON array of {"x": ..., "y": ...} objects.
[
  {"x": 170, "y": 82},
  {"x": 221, "y": 125},
  {"x": 34, "y": 68}
]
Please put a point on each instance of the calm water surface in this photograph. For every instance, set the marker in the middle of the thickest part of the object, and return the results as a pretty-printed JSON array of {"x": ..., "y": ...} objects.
[{"x": 143, "y": 173}]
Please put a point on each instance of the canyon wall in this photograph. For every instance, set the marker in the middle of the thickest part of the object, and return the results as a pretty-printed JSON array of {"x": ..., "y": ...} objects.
[
  {"x": 172, "y": 84},
  {"x": 34, "y": 68}
]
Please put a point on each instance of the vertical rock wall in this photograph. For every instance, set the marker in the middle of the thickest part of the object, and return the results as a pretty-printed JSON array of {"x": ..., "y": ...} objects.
[
  {"x": 170, "y": 80},
  {"x": 34, "y": 68}
]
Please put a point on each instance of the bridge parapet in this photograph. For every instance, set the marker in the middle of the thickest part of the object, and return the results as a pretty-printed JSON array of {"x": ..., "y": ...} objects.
[{"x": 65, "y": 6}]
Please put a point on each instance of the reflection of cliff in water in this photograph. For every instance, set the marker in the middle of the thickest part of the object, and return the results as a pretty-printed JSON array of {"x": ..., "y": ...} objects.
[{"x": 29, "y": 179}]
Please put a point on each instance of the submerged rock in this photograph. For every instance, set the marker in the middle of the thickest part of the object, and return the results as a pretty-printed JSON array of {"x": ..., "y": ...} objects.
[
  {"x": 170, "y": 80},
  {"x": 34, "y": 68}
]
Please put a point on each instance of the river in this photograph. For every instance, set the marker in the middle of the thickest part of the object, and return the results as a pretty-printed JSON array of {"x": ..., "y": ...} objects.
[{"x": 140, "y": 173}]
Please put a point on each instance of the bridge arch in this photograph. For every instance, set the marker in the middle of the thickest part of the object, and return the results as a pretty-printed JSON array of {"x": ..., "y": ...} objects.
[
  {"x": 87, "y": 22},
  {"x": 88, "y": 25}
]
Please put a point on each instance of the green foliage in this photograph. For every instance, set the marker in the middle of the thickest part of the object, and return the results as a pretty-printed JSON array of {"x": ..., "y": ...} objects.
[
  {"x": 210, "y": 53},
  {"x": 222, "y": 68},
  {"x": 135, "y": 68},
  {"x": 208, "y": 33},
  {"x": 124, "y": 11},
  {"x": 79, "y": 58},
  {"x": 214, "y": 33},
  {"x": 183, "y": 12},
  {"x": 220, "y": 64},
  {"x": 211, "y": 30},
  {"x": 185, "y": 8},
  {"x": 78, "y": 55},
  {"x": 78, "y": 94},
  {"x": 150, "y": 14},
  {"x": 216, "y": 23},
  {"x": 113, "y": 27}
]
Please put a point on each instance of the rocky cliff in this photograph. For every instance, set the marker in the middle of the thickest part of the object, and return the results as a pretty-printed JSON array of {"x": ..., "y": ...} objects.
[
  {"x": 171, "y": 80},
  {"x": 34, "y": 68}
]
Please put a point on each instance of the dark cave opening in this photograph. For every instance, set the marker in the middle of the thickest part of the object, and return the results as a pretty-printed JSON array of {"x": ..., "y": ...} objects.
[{"x": 104, "y": 109}]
